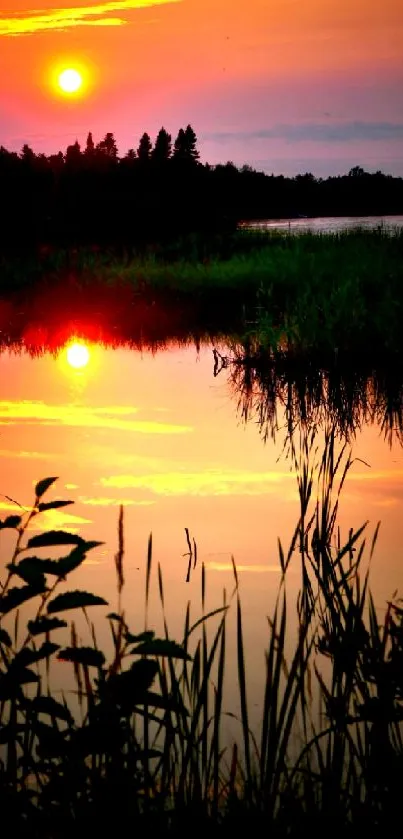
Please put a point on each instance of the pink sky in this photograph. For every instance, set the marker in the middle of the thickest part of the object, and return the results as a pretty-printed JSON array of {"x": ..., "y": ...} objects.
[{"x": 283, "y": 85}]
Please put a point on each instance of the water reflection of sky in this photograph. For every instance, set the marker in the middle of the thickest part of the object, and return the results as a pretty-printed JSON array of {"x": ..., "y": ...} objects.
[
  {"x": 329, "y": 224},
  {"x": 159, "y": 434}
]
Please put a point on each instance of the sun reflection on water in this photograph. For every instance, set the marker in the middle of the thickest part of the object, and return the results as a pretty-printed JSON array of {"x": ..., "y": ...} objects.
[{"x": 77, "y": 355}]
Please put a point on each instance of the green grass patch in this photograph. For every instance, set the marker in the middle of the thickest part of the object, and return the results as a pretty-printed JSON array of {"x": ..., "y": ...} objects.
[{"x": 316, "y": 291}]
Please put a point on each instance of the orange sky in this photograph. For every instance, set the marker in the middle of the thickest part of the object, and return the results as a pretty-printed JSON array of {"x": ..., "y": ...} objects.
[{"x": 282, "y": 84}]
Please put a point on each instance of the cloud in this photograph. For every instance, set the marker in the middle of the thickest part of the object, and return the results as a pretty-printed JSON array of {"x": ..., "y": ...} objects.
[
  {"x": 58, "y": 519},
  {"x": 113, "y": 502},
  {"x": 44, "y": 20},
  {"x": 339, "y": 132},
  {"x": 50, "y": 520},
  {"x": 15, "y": 508},
  {"x": 211, "y": 482},
  {"x": 8, "y": 453},
  {"x": 254, "y": 569},
  {"x": 80, "y": 416}
]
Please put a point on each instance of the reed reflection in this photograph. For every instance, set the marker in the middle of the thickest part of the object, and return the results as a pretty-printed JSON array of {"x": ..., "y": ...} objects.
[{"x": 280, "y": 390}]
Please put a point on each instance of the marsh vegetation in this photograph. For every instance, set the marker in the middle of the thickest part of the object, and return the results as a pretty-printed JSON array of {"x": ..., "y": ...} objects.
[{"x": 138, "y": 738}]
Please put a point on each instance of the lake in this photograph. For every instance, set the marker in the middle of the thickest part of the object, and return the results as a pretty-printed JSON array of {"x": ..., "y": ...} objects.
[
  {"x": 335, "y": 224},
  {"x": 159, "y": 433}
]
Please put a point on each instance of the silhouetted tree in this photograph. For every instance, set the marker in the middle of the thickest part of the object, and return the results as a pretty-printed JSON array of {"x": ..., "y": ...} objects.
[
  {"x": 73, "y": 154},
  {"x": 356, "y": 172},
  {"x": 191, "y": 143},
  {"x": 145, "y": 148},
  {"x": 179, "y": 152},
  {"x": 90, "y": 146},
  {"x": 163, "y": 146},
  {"x": 56, "y": 161},
  {"x": 95, "y": 196},
  {"x": 185, "y": 146},
  {"x": 27, "y": 154},
  {"x": 108, "y": 146}
]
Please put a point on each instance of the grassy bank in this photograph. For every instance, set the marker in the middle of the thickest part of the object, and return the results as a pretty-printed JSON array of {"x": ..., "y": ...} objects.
[
  {"x": 342, "y": 291},
  {"x": 145, "y": 752}
]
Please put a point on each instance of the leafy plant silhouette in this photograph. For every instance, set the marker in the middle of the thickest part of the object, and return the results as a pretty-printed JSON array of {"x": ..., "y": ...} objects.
[{"x": 54, "y": 768}]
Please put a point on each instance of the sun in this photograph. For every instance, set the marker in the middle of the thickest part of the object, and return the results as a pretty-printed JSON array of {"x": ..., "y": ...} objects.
[
  {"x": 70, "y": 80},
  {"x": 78, "y": 355}
]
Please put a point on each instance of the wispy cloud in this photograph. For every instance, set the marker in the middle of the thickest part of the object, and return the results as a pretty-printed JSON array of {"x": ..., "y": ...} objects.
[
  {"x": 253, "y": 569},
  {"x": 41, "y": 413},
  {"x": 339, "y": 132},
  {"x": 15, "y": 508},
  {"x": 56, "y": 519},
  {"x": 113, "y": 502},
  {"x": 207, "y": 483},
  {"x": 60, "y": 19},
  {"x": 50, "y": 520},
  {"x": 9, "y": 453}
]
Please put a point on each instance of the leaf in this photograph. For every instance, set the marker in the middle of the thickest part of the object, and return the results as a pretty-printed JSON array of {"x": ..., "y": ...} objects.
[
  {"x": 88, "y": 546},
  {"x": 165, "y": 703},
  {"x": 11, "y": 521},
  {"x": 5, "y": 638},
  {"x": 161, "y": 647},
  {"x": 74, "y": 600},
  {"x": 144, "y": 636},
  {"x": 15, "y": 596},
  {"x": 144, "y": 672},
  {"x": 113, "y": 616},
  {"x": 29, "y": 570},
  {"x": 28, "y": 656},
  {"x": 82, "y": 655},
  {"x": 44, "y": 485},
  {"x": 42, "y": 624},
  {"x": 32, "y": 568},
  {"x": 10, "y": 682},
  {"x": 49, "y": 705},
  {"x": 128, "y": 689},
  {"x": 54, "y": 537},
  {"x": 53, "y": 505},
  {"x": 75, "y": 558}
]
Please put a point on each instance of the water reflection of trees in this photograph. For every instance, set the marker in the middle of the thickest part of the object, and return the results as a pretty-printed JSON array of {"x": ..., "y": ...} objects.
[
  {"x": 281, "y": 390},
  {"x": 113, "y": 315}
]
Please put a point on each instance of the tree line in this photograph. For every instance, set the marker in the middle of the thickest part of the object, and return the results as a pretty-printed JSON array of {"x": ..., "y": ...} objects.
[{"x": 91, "y": 194}]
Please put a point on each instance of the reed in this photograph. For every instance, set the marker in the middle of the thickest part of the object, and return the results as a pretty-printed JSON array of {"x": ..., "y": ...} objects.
[{"x": 138, "y": 740}]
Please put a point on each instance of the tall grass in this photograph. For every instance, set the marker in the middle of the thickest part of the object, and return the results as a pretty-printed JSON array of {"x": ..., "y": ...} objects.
[{"x": 138, "y": 744}]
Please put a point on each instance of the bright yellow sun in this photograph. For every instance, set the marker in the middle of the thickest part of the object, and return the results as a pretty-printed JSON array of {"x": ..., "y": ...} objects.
[
  {"x": 78, "y": 355},
  {"x": 70, "y": 80}
]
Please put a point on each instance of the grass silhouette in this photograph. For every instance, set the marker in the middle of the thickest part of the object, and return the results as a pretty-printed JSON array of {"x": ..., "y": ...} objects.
[{"x": 138, "y": 743}]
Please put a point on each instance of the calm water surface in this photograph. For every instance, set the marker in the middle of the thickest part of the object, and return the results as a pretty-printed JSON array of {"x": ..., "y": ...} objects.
[
  {"x": 161, "y": 435},
  {"x": 328, "y": 224}
]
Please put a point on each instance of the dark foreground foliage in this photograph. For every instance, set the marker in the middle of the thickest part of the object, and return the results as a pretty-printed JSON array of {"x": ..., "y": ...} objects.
[
  {"x": 137, "y": 745},
  {"x": 91, "y": 195}
]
